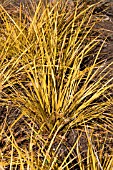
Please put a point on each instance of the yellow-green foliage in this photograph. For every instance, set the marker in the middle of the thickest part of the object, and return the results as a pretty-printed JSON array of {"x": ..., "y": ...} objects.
[{"x": 43, "y": 74}]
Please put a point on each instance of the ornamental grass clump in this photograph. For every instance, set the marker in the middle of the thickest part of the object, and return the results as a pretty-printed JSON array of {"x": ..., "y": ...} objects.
[{"x": 55, "y": 84}]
